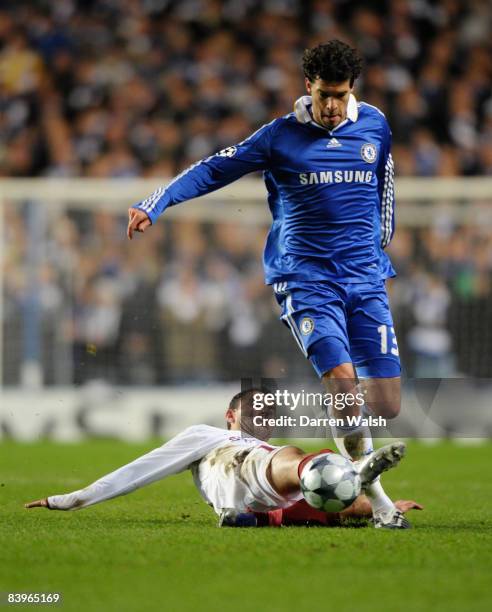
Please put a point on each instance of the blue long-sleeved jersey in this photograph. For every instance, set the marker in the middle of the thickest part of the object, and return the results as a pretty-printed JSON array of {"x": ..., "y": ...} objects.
[{"x": 330, "y": 193}]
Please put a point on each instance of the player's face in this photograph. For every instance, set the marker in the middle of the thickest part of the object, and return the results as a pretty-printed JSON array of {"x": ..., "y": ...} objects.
[{"x": 330, "y": 101}]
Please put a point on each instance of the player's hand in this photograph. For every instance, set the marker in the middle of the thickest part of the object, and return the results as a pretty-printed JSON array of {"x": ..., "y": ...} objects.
[
  {"x": 39, "y": 503},
  {"x": 404, "y": 505},
  {"x": 138, "y": 221}
]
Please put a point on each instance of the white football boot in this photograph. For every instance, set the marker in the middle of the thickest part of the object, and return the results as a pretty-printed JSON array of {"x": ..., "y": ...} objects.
[
  {"x": 370, "y": 468},
  {"x": 394, "y": 519},
  {"x": 379, "y": 461}
]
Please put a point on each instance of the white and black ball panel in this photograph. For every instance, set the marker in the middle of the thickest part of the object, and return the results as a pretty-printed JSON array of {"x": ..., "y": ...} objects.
[
  {"x": 335, "y": 459},
  {"x": 312, "y": 480},
  {"x": 331, "y": 474},
  {"x": 345, "y": 490},
  {"x": 329, "y": 482}
]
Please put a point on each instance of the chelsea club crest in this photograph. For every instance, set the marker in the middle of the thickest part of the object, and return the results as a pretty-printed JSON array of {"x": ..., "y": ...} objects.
[
  {"x": 307, "y": 326},
  {"x": 368, "y": 152}
]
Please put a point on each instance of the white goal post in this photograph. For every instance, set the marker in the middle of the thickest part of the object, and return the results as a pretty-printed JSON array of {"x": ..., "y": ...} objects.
[{"x": 116, "y": 194}]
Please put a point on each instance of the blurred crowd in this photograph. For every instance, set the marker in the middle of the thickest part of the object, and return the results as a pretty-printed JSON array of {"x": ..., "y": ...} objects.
[
  {"x": 112, "y": 88},
  {"x": 187, "y": 303}
]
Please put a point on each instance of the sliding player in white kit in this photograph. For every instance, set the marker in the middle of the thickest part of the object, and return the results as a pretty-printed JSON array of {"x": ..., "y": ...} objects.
[{"x": 238, "y": 474}]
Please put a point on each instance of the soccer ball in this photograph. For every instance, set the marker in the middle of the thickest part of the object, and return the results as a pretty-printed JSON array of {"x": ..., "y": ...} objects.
[{"x": 329, "y": 482}]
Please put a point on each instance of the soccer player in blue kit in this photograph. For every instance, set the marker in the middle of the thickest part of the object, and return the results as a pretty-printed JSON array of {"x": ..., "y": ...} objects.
[{"x": 328, "y": 171}]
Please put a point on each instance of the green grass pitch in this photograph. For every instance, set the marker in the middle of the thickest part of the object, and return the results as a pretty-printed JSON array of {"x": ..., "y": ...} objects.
[{"x": 160, "y": 549}]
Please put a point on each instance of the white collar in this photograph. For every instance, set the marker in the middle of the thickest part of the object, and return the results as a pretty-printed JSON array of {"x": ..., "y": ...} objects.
[{"x": 302, "y": 110}]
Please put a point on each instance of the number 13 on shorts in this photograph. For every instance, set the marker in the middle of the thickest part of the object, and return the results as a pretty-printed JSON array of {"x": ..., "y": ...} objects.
[{"x": 388, "y": 333}]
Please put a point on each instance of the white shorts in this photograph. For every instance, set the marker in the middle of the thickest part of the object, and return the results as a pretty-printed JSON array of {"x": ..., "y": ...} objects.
[
  {"x": 254, "y": 471},
  {"x": 236, "y": 477}
]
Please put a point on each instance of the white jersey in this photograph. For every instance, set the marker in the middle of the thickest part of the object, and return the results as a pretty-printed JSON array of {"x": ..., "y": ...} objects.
[{"x": 229, "y": 470}]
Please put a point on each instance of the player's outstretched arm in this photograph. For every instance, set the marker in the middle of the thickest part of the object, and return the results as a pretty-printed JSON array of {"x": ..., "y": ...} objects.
[
  {"x": 138, "y": 221},
  {"x": 170, "y": 458},
  {"x": 205, "y": 176}
]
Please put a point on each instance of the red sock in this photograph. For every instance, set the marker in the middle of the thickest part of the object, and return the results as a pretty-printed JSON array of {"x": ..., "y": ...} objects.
[
  {"x": 272, "y": 518},
  {"x": 301, "y": 513}
]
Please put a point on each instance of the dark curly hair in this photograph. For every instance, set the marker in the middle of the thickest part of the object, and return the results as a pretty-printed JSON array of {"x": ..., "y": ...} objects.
[{"x": 333, "y": 62}]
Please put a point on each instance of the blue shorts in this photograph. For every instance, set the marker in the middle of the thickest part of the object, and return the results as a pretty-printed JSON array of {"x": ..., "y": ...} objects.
[{"x": 335, "y": 323}]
